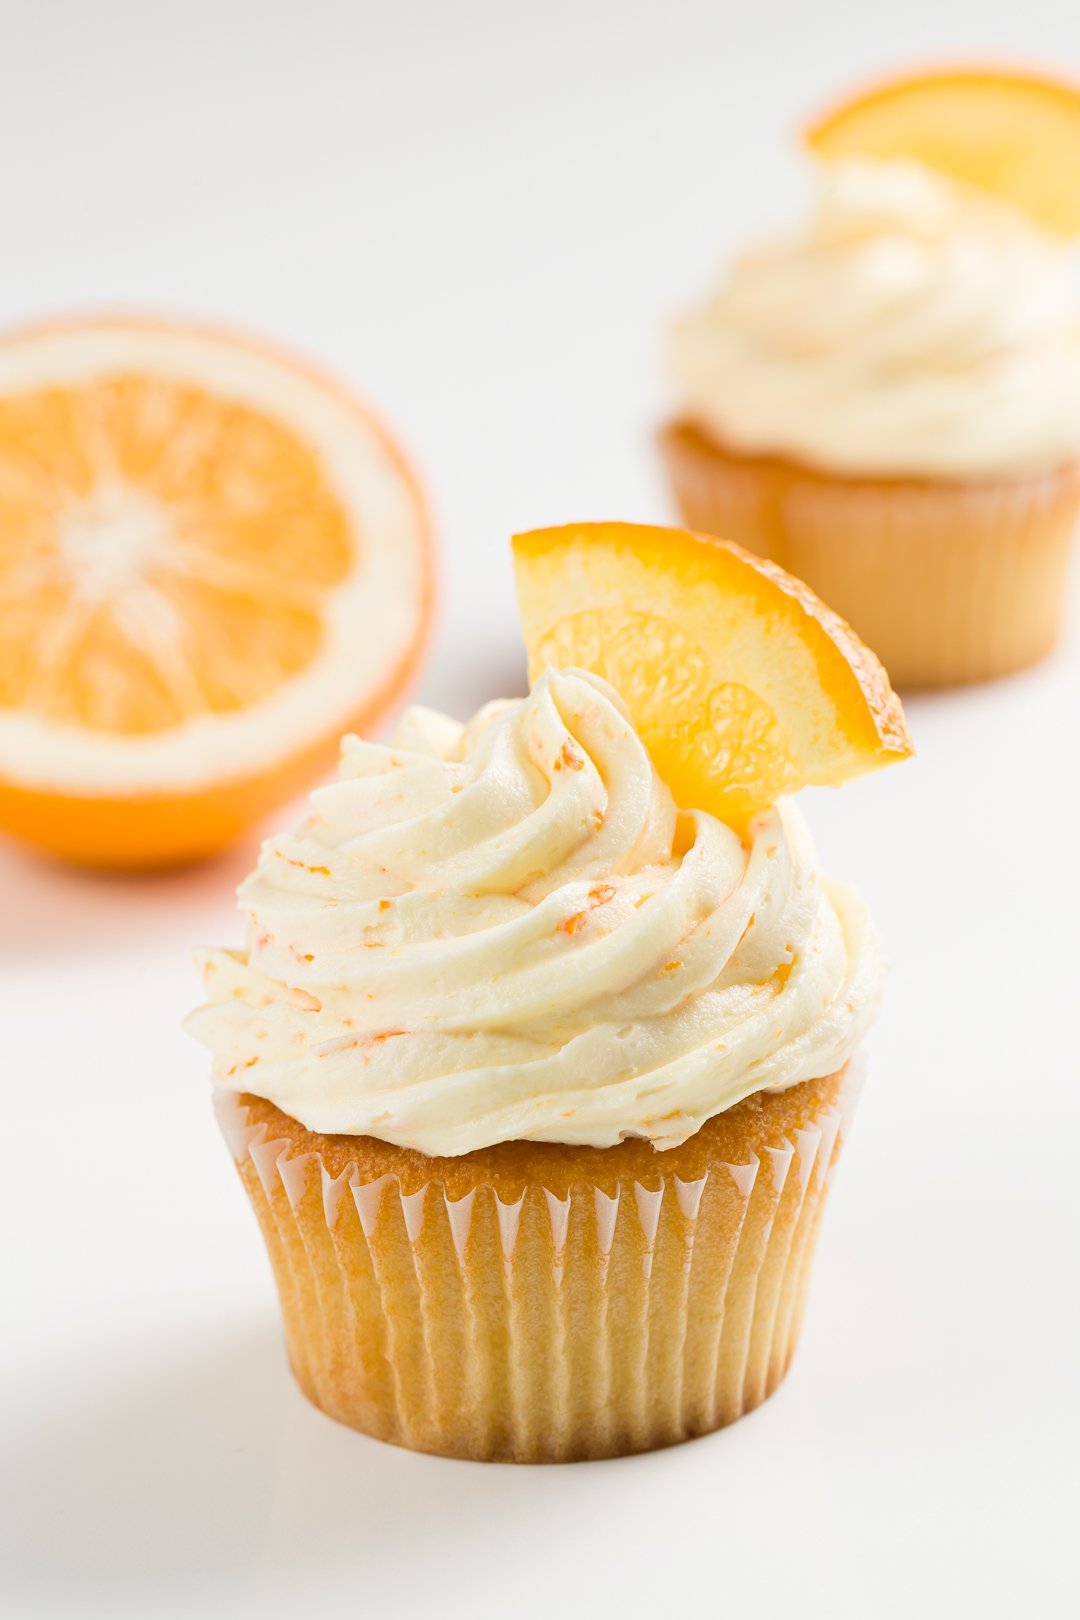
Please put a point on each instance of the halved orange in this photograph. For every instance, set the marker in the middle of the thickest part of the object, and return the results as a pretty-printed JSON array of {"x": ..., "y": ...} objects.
[
  {"x": 213, "y": 561},
  {"x": 742, "y": 684},
  {"x": 1014, "y": 134}
]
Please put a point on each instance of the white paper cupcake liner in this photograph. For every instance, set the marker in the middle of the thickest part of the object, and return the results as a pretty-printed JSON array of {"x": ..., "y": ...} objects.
[{"x": 541, "y": 1324}]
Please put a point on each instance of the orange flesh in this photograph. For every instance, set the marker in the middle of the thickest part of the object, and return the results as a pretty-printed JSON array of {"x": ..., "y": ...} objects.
[{"x": 232, "y": 536}]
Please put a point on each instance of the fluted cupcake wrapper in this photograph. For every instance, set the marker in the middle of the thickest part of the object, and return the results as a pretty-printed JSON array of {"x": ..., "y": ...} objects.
[
  {"x": 947, "y": 582},
  {"x": 544, "y": 1325}
]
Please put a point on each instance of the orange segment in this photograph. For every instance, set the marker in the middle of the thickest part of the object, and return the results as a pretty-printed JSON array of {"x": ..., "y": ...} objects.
[
  {"x": 743, "y": 685},
  {"x": 212, "y": 562},
  {"x": 1016, "y": 135}
]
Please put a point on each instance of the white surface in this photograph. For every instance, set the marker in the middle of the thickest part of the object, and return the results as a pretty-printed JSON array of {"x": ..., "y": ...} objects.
[{"x": 482, "y": 216}]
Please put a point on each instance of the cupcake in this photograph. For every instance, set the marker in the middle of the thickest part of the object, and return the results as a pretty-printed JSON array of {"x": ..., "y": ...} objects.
[
  {"x": 887, "y": 402},
  {"x": 537, "y": 1073}
]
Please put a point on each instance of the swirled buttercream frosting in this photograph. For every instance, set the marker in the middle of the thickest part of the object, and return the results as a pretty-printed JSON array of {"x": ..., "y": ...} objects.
[
  {"x": 914, "y": 327},
  {"x": 508, "y": 930}
]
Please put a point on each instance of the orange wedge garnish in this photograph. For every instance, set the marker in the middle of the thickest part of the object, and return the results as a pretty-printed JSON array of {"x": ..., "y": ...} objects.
[
  {"x": 212, "y": 563},
  {"x": 1016, "y": 135},
  {"x": 742, "y": 684}
]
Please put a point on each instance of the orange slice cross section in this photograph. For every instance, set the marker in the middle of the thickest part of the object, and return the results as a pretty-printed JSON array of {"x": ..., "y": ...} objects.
[
  {"x": 742, "y": 684},
  {"x": 212, "y": 563},
  {"x": 1016, "y": 135}
]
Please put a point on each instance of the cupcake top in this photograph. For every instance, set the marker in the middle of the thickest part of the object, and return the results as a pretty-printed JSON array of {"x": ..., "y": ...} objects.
[
  {"x": 508, "y": 930},
  {"x": 915, "y": 327}
]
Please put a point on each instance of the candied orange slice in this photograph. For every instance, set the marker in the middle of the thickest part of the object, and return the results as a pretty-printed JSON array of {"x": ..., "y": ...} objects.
[
  {"x": 742, "y": 684},
  {"x": 1016, "y": 135},
  {"x": 212, "y": 563}
]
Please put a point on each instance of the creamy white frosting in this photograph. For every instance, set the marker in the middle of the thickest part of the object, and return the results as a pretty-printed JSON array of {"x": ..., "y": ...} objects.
[
  {"x": 914, "y": 327},
  {"x": 508, "y": 931}
]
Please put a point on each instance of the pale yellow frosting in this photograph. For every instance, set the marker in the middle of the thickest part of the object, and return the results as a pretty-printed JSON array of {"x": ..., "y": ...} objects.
[
  {"x": 508, "y": 931},
  {"x": 913, "y": 327}
]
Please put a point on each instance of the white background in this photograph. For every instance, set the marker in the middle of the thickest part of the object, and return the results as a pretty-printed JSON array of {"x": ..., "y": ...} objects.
[{"x": 483, "y": 215}]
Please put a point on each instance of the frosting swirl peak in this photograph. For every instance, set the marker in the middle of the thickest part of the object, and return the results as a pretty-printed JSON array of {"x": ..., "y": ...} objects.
[{"x": 508, "y": 930}]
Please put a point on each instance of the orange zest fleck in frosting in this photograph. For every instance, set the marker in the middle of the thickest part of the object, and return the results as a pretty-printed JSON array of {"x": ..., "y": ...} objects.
[{"x": 597, "y": 897}]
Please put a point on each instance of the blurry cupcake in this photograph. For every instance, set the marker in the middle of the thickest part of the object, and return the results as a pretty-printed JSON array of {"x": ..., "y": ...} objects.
[
  {"x": 536, "y": 1074},
  {"x": 887, "y": 402}
]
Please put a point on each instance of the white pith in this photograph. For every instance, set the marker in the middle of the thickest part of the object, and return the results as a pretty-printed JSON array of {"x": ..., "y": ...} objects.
[
  {"x": 372, "y": 618},
  {"x": 109, "y": 538}
]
